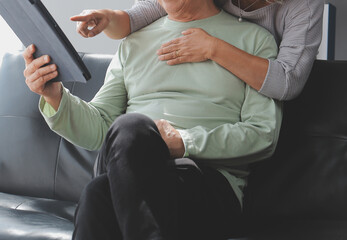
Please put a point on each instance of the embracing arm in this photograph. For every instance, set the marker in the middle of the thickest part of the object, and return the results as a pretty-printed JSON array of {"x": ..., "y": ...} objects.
[
  {"x": 288, "y": 73},
  {"x": 143, "y": 13},
  {"x": 282, "y": 78},
  {"x": 117, "y": 24},
  {"x": 114, "y": 23}
]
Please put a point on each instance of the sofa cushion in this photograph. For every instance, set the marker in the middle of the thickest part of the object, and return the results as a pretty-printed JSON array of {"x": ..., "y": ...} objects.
[
  {"x": 307, "y": 176},
  {"x": 34, "y": 218},
  {"x": 34, "y": 161}
]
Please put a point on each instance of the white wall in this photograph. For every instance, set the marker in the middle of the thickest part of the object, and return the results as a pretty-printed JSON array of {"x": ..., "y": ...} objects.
[
  {"x": 8, "y": 40},
  {"x": 62, "y": 10}
]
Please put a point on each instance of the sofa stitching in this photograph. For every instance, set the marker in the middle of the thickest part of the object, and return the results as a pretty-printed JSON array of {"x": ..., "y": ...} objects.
[
  {"x": 58, "y": 150},
  {"x": 16, "y": 208},
  {"x": 56, "y": 168},
  {"x": 336, "y": 136}
]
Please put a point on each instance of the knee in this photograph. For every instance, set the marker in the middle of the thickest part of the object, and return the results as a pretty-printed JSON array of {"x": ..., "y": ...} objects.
[
  {"x": 131, "y": 127},
  {"x": 131, "y": 138},
  {"x": 132, "y": 121}
]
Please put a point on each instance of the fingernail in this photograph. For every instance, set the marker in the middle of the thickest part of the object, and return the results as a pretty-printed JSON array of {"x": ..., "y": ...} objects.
[
  {"x": 46, "y": 58},
  {"x": 53, "y": 67}
]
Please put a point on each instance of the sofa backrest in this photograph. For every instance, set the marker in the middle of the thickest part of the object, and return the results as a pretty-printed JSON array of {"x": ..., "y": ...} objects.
[
  {"x": 307, "y": 175},
  {"x": 34, "y": 161}
]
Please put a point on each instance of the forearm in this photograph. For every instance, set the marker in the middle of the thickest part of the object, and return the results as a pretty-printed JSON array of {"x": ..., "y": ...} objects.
[
  {"x": 144, "y": 13},
  {"x": 119, "y": 26},
  {"x": 77, "y": 121},
  {"x": 249, "y": 68},
  {"x": 253, "y": 138}
]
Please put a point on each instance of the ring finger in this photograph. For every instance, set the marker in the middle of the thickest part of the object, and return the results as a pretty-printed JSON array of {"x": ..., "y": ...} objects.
[
  {"x": 41, "y": 73},
  {"x": 170, "y": 56}
]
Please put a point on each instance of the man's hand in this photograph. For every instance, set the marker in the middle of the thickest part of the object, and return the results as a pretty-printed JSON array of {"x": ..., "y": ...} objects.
[
  {"x": 38, "y": 74},
  {"x": 172, "y": 138}
]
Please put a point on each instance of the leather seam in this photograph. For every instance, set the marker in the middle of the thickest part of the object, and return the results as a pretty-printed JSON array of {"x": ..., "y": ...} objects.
[
  {"x": 58, "y": 151},
  {"x": 329, "y": 136},
  {"x": 16, "y": 208},
  {"x": 56, "y": 168}
]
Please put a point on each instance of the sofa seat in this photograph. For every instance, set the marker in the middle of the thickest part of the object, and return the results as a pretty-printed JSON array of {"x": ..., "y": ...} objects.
[
  {"x": 35, "y": 218},
  {"x": 299, "y": 193},
  {"x": 305, "y": 229}
]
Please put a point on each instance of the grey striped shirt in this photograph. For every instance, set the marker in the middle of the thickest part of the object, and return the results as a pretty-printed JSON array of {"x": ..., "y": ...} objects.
[{"x": 296, "y": 26}]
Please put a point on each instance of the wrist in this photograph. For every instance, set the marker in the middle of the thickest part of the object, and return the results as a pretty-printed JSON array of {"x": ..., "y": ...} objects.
[
  {"x": 55, "y": 99},
  {"x": 119, "y": 24},
  {"x": 212, "y": 47}
]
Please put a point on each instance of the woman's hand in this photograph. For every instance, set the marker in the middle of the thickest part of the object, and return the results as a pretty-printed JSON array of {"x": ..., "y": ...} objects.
[
  {"x": 114, "y": 23},
  {"x": 37, "y": 74},
  {"x": 172, "y": 138},
  {"x": 92, "y": 22},
  {"x": 195, "y": 46}
]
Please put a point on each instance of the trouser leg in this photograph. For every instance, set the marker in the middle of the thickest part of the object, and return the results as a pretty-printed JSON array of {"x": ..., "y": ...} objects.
[
  {"x": 135, "y": 158},
  {"x": 207, "y": 206},
  {"x": 94, "y": 217},
  {"x": 153, "y": 198}
]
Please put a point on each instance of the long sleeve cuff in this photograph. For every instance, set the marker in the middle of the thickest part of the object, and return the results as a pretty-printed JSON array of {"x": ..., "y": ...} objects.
[
  {"x": 185, "y": 138},
  {"x": 48, "y": 112},
  {"x": 275, "y": 85}
]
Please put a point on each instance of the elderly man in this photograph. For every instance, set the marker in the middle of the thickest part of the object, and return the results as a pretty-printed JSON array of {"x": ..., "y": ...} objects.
[{"x": 144, "y": 188}]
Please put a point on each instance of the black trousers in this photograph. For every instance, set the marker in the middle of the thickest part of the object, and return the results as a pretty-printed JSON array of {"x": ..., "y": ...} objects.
[{"x": 140, "y": 193}]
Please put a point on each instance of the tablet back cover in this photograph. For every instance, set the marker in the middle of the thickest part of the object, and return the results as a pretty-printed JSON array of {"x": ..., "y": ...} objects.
[{"x": 33, "y": 24}]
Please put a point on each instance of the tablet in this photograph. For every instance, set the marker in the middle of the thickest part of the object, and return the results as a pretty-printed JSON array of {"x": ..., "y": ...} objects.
[{"x": 33, "y": 24}]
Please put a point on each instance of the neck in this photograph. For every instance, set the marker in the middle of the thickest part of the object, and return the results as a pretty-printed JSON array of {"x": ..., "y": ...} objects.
[{"x": 189, "y": 13}]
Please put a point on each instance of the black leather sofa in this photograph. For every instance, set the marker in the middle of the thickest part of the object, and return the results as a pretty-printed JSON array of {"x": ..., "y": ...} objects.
[{"x": 300, "y": 193}]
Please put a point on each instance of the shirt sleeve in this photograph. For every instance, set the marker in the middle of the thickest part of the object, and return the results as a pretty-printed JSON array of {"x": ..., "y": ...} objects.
[
  {"x": 288, "y": 73},
  {"x": 86, "y": 124},
  {"x": 143, "y": 13},
  {"x": 253, "y": 138}
]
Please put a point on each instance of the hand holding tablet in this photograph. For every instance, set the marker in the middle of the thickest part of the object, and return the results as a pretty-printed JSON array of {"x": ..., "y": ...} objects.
[
  {"x": 38, "y": 72},
  {"x": 33, "y": 24}
]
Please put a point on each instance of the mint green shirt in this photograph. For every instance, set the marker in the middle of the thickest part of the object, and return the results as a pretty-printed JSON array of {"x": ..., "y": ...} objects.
[{"x": 223, "y": 122}]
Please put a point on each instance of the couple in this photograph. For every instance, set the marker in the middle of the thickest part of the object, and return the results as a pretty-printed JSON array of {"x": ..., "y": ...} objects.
[{"x": 174, "y": 141}]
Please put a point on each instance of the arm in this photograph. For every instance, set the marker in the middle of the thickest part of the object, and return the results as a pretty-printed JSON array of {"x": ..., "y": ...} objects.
[
  {"x": 253, "y": 138},
  {"x": 143, "y": 13},
  {"x": 114, "y": 23},
  {"x": 118, "y": 24},
  {"x": 282, "y": 78},
  {"x": 86, "y": 124},
  {"x": 288, "y": 73}
]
